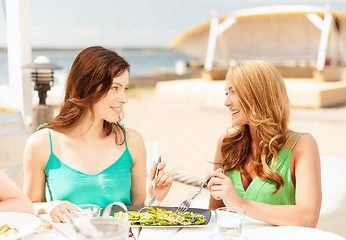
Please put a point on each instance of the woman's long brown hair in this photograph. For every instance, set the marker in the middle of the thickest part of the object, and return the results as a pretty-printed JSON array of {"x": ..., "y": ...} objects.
[
  {"x": 262, "y": 93},
  {"x": 89, "y": 79}
]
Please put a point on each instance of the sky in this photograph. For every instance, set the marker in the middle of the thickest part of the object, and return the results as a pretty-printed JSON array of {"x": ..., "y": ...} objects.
[{"x": 128, "y": 23}]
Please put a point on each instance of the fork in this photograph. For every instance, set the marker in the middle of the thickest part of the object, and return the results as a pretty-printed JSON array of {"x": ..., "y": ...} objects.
[
  {"x": 151, "y": 201},
  {"x": 187, "y": 203}
]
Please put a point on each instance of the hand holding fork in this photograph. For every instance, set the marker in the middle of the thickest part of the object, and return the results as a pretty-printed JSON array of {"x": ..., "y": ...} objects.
[
  {"x": 187, "y": 203},
  {"x": 152, "y": 200}
]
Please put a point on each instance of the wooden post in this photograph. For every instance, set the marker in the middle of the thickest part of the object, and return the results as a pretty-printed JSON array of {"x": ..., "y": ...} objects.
[{"x": 41, "y": 114}]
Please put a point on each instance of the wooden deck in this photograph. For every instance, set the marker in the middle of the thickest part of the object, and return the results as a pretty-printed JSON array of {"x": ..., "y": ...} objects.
[{"x": 303, "y": 92}]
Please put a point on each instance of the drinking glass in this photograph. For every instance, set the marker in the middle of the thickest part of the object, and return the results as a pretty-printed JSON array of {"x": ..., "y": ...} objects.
[
  {"x": 230, "y": 221},
  {"x": 111, "y": 228},
  {"x": 87, "y": 210},
  {"x": 103, "y": 227}
]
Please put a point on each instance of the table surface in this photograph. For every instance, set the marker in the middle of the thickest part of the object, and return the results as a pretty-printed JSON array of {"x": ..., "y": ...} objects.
[{"x": 252, "y": 230}]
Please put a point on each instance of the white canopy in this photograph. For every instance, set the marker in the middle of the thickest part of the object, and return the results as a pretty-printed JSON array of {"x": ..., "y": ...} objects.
[{"x": 287, "y": 35}]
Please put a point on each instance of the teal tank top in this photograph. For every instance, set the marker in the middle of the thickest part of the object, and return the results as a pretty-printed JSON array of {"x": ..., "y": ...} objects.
[
  {"x": 113, "y": 184},
  {"x": 262, "y": 190}
]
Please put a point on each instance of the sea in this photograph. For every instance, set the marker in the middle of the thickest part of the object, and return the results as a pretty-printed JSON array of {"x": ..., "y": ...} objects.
[{"x": 144, "y": 62}]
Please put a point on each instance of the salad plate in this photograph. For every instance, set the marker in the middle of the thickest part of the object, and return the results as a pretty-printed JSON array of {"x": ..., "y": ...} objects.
[
  {"x": 205, "y": 212},
  {"x": 20, "y": 224}
]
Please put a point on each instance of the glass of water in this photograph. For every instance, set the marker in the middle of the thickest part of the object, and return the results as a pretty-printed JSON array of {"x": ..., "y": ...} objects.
[
  {"x": 230, "y": 221},
  {"x": 86, "y": 210},
  {"x": 90, "y": 225}
]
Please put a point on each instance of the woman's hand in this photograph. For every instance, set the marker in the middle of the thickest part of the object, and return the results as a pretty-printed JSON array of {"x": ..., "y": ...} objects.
[
  {"x": 163, "y": 183},
  {"x": 61, "y": 210},
  {"x": 221, "y": 188}
]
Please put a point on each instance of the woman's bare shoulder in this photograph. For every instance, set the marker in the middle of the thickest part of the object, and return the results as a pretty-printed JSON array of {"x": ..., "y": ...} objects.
[
  {"x": 221, "y": 138},
  {"x": 306, "y": 140},
  {"x": 135, "y": 141},
  {"x": 306, "y": 147},
  {"x": 135, "y": 144},
  {"x": 133, "y": 136},
  {"x": 38, "y": 137},
  {"x": 38, "y": 142}
]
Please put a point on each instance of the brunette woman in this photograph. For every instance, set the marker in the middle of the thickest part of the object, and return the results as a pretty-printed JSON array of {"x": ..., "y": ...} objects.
[{"x": 85, "y": 155}]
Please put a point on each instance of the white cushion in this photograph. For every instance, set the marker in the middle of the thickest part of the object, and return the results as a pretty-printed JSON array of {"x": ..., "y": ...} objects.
[{"x": 333, "y": 210}]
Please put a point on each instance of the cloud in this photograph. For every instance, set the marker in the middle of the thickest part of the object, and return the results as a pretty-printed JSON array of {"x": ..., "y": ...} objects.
[
  {"x": 69, "y": 36},
  {"x": 142, "y": 32},
  {"x": 148, "y": 37}
]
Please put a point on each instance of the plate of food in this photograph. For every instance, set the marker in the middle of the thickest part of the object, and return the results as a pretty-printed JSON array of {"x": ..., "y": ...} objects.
[
  {"x": 14, "y": 225},
  {"x": 166, "y": 217}
]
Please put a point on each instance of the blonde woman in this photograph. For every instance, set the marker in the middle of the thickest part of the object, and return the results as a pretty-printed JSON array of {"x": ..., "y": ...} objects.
[
  {"x": 12, "y": 199},
  {"x": 270, "y": 170}
]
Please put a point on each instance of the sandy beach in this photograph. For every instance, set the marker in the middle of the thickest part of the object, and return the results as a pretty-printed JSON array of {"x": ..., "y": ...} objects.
[{"x": 187, "y": 133}]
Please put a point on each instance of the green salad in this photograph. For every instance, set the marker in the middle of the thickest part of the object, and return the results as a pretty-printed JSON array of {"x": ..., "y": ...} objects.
[{"x": 162, "y": 217}]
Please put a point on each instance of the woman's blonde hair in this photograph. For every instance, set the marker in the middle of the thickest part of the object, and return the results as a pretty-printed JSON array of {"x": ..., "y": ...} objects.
[{"x": 262, "y": 93}]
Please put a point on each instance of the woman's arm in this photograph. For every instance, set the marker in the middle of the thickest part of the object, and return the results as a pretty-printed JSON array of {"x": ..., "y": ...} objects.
[
  {"x": 213, "y": 203},
  {"x": 12, "y": 199},
  {"x": 141, "y": 182},
  {"x": 36, "y": 154},
  {"x": 307, "y": 171},
  {"x": 138, "y": 172},
  {"x": 308, "y": 191}
]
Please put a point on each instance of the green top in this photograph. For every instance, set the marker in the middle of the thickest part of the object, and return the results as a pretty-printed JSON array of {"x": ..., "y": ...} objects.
[
  {"x": 262, "y": 190},
  {"x": 110, "y": 185}
]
